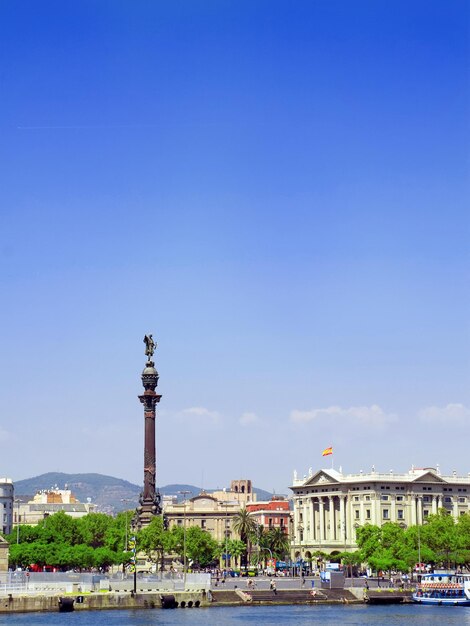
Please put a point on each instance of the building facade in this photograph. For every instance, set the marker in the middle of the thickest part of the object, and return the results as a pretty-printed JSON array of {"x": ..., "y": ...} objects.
[
  {"x": 329, "y": 506},
  {"x": 274, "y": 513},
  {"x": 4, "y": 552},
  {"x": 47, "y": 502},
  {"x": 206, "y": 511},
  {"x": 213, "y": 512},
  {"x": 6, "y": 505}
]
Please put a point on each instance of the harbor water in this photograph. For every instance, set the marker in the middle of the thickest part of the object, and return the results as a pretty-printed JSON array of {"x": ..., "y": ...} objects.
[{"x": 324, "y": 615}]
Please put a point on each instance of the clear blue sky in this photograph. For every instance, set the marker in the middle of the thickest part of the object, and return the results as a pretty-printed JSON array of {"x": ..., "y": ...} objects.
[{"x": 278, "y": 191}]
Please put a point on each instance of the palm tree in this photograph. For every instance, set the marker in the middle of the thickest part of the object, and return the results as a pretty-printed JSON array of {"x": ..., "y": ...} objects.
[
  {"x": 278, "y": 542},
  {"x": 244, "y": 525},
  {"x": 260, "y": 537},
  {"x": 236, "y": 548}
]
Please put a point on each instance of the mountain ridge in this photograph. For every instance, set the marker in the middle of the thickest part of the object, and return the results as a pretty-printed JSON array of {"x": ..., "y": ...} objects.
[{"x": 110, "y": 494}]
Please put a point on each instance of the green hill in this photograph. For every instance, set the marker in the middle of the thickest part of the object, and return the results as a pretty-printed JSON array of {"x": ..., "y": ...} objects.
[{"x": 110, "y": 494}]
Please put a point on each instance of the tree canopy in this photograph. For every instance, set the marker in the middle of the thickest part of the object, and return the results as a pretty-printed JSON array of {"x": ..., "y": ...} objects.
[{"x": 441, "y": 541}]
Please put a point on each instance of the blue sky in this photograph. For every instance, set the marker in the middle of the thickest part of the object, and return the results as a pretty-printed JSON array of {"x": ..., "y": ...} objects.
[{"x": 278, "y": 192}]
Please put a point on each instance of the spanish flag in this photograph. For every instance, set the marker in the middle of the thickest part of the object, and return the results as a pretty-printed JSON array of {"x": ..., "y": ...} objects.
[{"x": 327, "y": 451}]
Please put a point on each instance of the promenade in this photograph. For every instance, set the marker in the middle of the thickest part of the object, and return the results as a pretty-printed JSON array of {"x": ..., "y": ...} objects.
[{"x": 201, "y": 591}]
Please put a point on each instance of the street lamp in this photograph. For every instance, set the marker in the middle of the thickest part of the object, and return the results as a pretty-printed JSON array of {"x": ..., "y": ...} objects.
[
  {"x": 225, "y": 504},
  {"x": 271, "y": 555},
  {"x": 184, "y": 493},
  {"x": 127, "y": 522},
  {"x": 17, "y": 502}
]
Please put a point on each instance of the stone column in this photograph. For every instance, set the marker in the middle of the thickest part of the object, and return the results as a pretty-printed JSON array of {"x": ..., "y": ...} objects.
[
  {"x": 420, "y": 510},
  {"x": 322, "y": 520},
  {"x": 331, "y": 505},
  {"x": 413, "y": 510},
  {"x": 312, "y": 522},
  {"x": 376, "y": 509},
  {"x": 393, "y": 509},
  {"x": 296, "y": 521},
  {"x": 149, "y": 501},
  {"x": 455, "y": 508},
  {"x": 342, "y": 519},
  {"x": 433, "y": 504}
]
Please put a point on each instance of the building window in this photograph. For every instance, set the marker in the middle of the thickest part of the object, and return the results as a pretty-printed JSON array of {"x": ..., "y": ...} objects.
[
  {"x": 301, "y": 518},
  {"x": 384, "y": 497},
  {"x": 367, "y": 513},
  {"x": 386, "y": 514},
  {"x": 356, "y": 514},
  {"x": 447, "y": 499},
  {"x": 425, "y": 498},
  {"x": 425, "y": 513},
  {"x": 180, "y": 522},
  {"x": 356, "y": 498},
  {"x": 400, "y": 514},
  {"x": 461, "y": 499},
  {"x": 399, "y": 498},
  {"x": 368, "y": 498},
  {"x": 203, "y": 523}
]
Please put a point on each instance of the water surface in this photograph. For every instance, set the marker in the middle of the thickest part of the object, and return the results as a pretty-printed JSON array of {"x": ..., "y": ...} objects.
[{"x": 358, "y": 615}]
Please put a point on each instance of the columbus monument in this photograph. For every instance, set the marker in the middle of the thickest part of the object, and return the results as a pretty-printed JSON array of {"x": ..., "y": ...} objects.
[{"x": 149, "y": 501}]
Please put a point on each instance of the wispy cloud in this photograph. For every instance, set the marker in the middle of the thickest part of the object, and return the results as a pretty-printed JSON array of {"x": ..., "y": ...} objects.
[
  {"x": 455, "y": 413},
  {"x": 248, "y": 418},
  {"x": 201, "y": 412},
  {"x": 372, "y": 415}
]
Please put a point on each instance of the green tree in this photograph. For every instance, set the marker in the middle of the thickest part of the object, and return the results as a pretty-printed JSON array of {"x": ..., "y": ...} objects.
[
  {"x": 235, "y": 548},
  {"x": 368, "y": 539},
  {"x": 201, "y": 547},
  {"x": 440, "y": 534},
  {"x": 278, "y": 542},
  {"x": 93, "y": 529},
  {"x": 463, "y": 540},
  {"x": 383, "y": 548},
  {"x": 350, "y": 560},
  {"x": 416, "y": 549},
  {"x": 244, "y": 525},
  {"x": 154, "y": 540},
  {"x": 59, "y": 528},
  {"x": 116, "y": 534}
]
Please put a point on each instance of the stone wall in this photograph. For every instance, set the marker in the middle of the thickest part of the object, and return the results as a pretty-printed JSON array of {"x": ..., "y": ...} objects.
[
  {"x": 4, "y": 550},
  {"x": 24, "y": 604}
]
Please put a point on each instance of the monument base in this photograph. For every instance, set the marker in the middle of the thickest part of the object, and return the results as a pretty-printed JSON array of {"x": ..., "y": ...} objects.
[{"x": 148, "y": 509}]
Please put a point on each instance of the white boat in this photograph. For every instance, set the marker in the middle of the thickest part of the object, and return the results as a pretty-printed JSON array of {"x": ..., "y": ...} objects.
[{"x": 443, "y": 589}]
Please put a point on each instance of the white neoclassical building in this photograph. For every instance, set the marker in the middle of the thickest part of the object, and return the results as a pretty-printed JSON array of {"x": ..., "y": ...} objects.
[{"x": 329, "y": 506}]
